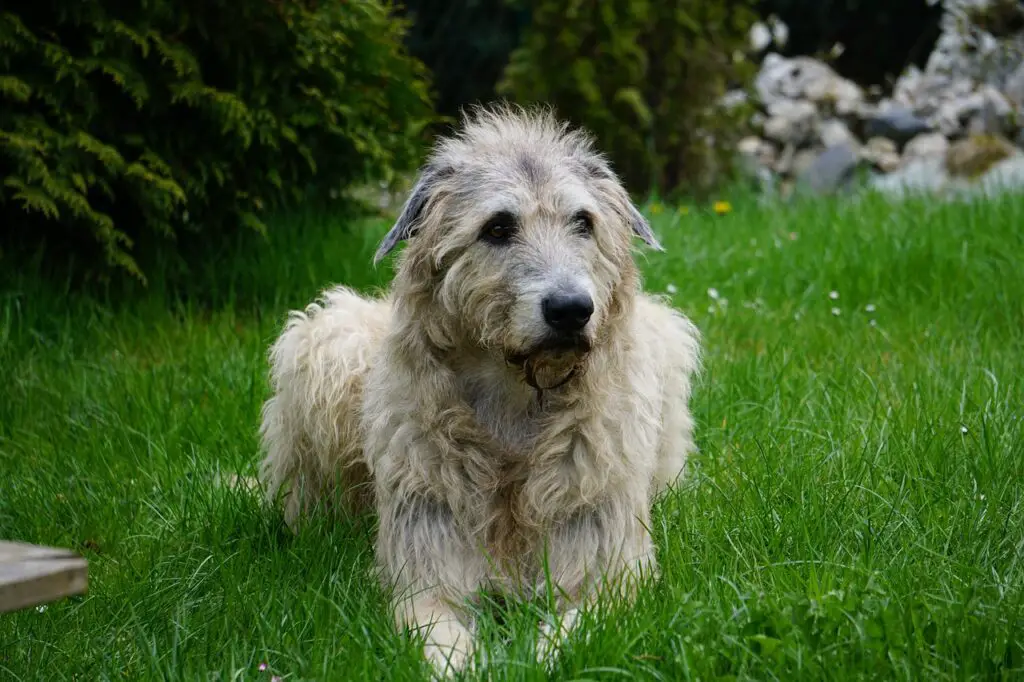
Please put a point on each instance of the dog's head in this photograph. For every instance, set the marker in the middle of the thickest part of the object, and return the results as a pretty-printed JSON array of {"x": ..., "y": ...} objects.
[{"x": 519, "y": 238}]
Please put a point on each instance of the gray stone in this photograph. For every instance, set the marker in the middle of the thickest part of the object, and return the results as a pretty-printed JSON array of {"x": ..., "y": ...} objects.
[
  {"x": 898, "y": 124},
  {"x": 1014, "y": 88},
  {"x": 920, "y": 176},
  {"x": 926, "y": 146},
  {"x": 760, "y": 151},
  {"x": 790, "y": 122},
  {"x": 1005, "y": 176},
  {"x": 881, "y": 153},
  {"x": 974, "y": 155},
  {"x": 803, "y": 160},
  {"x": 830, "y": 170},
  {"x": 803, "y": 78},
  {"x": 967, "y": 49},
  {"x": 929, "y": 177},
  {"x": 996, "y": 114},
  {"x": 832, "y": 132}
]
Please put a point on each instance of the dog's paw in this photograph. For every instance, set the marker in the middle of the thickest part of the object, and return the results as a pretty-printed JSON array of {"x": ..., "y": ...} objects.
[
  {"x": 449, "y": 648},
  {"x": 553, "y": 633}
]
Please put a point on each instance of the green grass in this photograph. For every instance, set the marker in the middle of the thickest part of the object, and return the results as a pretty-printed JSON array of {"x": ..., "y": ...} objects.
[{"x": 855, "y": 511}]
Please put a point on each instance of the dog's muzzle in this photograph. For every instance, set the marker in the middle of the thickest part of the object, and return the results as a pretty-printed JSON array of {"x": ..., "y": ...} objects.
[{"x": 563, "y": 353}]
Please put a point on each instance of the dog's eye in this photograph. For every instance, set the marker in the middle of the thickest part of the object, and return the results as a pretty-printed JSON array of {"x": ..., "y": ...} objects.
[
  {"x": 499, "y": 228},
  {"x": 584, "y": 223}
]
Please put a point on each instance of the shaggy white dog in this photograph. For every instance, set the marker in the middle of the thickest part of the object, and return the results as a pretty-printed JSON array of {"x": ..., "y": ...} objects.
[{"x": 513, "y": 405}]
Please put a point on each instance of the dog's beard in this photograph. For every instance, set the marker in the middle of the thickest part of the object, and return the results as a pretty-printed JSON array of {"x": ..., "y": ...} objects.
[{"x": 551, "y": 363}]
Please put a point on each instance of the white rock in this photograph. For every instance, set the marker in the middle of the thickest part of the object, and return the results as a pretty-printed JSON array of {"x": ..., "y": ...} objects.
[
  {"x": 761, "y": 152},
  {"x": 791, "y": 122},
  {"x": 1014, "y": 88},
  {"x": 830, "y": 171},
  {"x": 749, "y": 146},
  {"x": 921, "y": 176},
  {"x": 802, "y": 78},
  {"x": 760, "y": 37},
  {"x": 833, "y": 132},
  {"x": 1005, "y": 176},
  {"x": 803, "y": 160},
  {"x": 882, "y": 153},
  {"x": 996, "y": 114},
  {"x": 926, "y": 146}
]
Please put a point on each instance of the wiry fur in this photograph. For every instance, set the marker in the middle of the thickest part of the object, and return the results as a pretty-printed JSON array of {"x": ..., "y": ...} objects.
[{"x": 479, "y": 480}]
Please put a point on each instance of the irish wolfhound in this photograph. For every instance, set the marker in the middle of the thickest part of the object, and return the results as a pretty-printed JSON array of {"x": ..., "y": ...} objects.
[{"x": 513, "y": 405}]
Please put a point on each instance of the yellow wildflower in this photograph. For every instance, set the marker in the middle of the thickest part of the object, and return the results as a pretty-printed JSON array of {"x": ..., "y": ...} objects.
[
  {"x": 655, "y": 208},
  {"x": 722, "y": 207},
  {"x": 684, "y": 210}
]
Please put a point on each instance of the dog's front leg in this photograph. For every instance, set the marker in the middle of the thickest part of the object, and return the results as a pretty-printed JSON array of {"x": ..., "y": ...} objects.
[
  {"x": 603, "y": 549},
  {"x": 434, "y": 572}
]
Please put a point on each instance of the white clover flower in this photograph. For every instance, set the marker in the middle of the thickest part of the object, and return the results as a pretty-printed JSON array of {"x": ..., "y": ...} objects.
[
  {"x": 713, "y": 293},
  {"x": 870, "y": 307},
  {"x": 836, "y": 311},
  {"x": 671, "y": 288}
]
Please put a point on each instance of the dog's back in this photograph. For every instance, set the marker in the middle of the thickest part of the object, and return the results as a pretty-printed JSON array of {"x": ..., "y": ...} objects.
[{"x": 310, "y": 427}]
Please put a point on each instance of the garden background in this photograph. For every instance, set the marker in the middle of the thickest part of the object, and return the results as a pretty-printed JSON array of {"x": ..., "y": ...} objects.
[{"x": 177, "y": 176}]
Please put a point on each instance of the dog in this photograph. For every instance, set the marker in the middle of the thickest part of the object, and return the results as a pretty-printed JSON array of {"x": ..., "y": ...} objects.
[{"x": 512, "y": 406}]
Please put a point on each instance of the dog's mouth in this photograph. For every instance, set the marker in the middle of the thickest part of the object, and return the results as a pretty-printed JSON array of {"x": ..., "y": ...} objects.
[{"x": 553, "y": 362}]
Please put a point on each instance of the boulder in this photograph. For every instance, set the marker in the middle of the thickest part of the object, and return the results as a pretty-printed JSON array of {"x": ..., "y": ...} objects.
[
  {"x": 1014, "y": 88},
  {"x": 803, "y": 78},
  {"x": 830, "y": 170},
  {"x": 897, "y": 123},
  {"x": 881, "y": 152},
  {"x": 791, "y": 122},
  {"x": 974, "y": 155},
  {"x": 951, "y": 126},
  {"x": 833, "y": 132},
  {"x": 926, "y": 146},
  {"x": 757, "y": 150},
  {"x": 920, "y": 176}
]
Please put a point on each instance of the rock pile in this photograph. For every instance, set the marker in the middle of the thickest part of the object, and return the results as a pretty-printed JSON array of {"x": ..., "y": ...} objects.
[{"x": 957, "y": 125}]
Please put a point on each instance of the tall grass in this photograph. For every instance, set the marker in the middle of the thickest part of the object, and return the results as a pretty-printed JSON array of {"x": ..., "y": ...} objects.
[{"x": 855, "y": 511}]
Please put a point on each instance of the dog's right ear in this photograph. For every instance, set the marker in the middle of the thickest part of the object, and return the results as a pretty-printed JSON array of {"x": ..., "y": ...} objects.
[{"x": 408, "y": 222}]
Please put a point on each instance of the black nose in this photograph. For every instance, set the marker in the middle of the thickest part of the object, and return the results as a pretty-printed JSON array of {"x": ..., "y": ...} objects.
[{"x": 568, "y": 312}]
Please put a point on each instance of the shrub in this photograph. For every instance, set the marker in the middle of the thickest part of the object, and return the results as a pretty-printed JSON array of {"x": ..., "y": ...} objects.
[
  {"x": 123, "y": 123},
  {"x": 644, "y": 77}
]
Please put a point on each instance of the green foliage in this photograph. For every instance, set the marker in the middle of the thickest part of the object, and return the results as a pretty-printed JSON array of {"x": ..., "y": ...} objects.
[
  {"x": 643, "y": 76},
  {"x": 123, "y": 124}
]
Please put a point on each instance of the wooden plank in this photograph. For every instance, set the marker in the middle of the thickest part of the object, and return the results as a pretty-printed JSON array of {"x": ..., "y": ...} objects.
[{"x": 31, "y": 575}]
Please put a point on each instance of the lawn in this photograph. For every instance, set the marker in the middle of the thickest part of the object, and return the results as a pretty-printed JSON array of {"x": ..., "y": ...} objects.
[{"x": 856, "y": 510}]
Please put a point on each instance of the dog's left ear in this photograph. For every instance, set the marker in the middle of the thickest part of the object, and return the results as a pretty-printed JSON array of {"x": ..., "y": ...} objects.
[
  {"x": 409, "y": 220},
  {"x": 642, "y": 228},
  {"x": 599, "y": 169}
]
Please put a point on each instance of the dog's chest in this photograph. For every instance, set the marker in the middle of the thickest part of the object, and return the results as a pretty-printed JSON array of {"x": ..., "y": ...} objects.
[
  {"x": 504, "y": 410},
  {"x": 510, "y": 422}
]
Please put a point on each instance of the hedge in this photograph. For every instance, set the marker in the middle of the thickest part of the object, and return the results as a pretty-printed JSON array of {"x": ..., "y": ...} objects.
[{"x": 127, "y": 123}]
